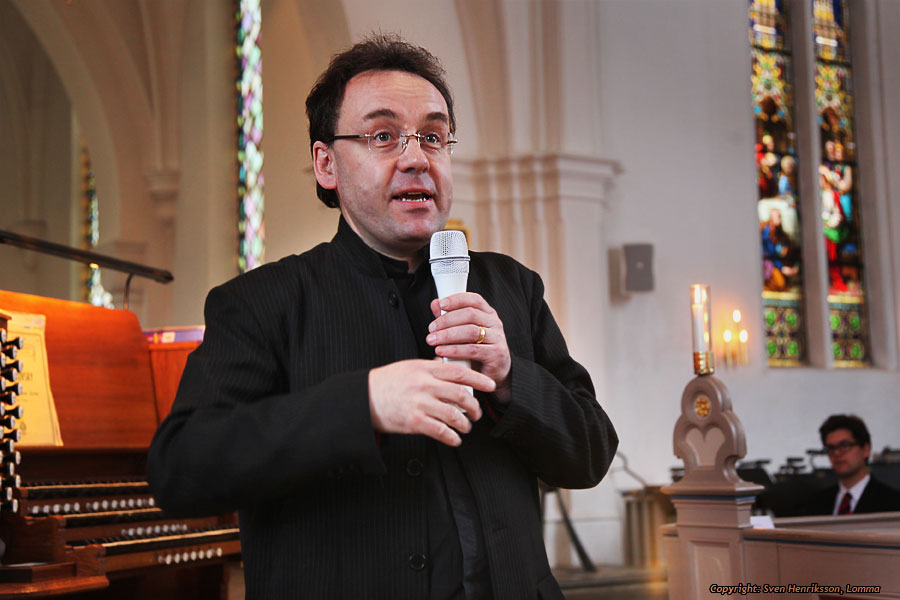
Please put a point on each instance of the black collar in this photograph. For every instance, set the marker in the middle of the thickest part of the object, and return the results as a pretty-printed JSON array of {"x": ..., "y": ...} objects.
[{"x": 366, "y": 259}]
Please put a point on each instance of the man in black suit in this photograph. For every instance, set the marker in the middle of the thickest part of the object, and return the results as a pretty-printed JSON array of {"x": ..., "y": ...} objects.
[
  {"x": 318, "y": 405},
  {"x": 846, "y": 439}
]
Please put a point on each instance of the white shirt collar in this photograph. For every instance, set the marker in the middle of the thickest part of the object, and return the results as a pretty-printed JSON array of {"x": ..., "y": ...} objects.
[{"x": 855, "y": 493}]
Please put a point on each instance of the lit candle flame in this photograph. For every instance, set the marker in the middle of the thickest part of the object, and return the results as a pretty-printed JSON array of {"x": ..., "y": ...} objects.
[{"x": 699, "y": 293}]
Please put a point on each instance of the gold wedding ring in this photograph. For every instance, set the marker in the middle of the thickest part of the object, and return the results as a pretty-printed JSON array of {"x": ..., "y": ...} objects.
[{"x": 480, "y": 335}]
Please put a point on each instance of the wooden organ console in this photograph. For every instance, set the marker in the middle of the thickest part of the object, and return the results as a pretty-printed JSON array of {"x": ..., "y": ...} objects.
[{"x": 80, "y": 518}]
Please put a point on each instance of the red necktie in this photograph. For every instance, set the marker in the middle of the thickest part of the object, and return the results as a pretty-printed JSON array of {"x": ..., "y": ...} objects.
[{"x": 844, "y": 508}]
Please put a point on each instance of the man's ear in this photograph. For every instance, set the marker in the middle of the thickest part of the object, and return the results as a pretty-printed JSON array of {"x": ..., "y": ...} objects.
[{"x": 323, "y": 165}]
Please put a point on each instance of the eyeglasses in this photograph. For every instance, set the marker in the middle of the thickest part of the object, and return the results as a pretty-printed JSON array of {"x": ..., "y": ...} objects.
[
  {"x": 840, "y": 447},
  {"x": 390, "y": 141}
]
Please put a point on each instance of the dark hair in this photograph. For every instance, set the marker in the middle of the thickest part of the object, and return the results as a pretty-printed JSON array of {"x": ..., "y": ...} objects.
[
  {"x": 385, "y": 52},
  {"x": 850, "y": 422}
]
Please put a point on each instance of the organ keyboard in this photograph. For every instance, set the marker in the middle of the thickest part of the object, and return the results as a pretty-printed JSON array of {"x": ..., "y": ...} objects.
[{"x": 81, "y": 518}]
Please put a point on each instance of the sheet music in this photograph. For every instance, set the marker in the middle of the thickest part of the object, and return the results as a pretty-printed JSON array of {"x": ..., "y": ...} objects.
[{"x": 39, "y": 424}]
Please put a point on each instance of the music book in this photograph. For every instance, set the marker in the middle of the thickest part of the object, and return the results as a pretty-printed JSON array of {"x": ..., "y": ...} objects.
[{"x": 39, "y": 424}]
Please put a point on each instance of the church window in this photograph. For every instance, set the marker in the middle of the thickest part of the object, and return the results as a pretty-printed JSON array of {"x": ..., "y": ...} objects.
[
  {"x": 251, "y": 226},
  {"x": 838, "y": 184},
  {"x": 90, "y": 210},
  {"x": 778, "y": 207},
  {"x": 779, "y": 162}
]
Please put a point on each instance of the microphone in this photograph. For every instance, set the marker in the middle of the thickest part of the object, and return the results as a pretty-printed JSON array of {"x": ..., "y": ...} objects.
[{"x": 449, "y": 258}]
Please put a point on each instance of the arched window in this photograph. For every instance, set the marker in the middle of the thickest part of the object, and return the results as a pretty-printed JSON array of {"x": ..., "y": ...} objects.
[
  {"x": 838, "y": 183},
  {"x": 778, "y": 206},
  {"x": 779, "y": 162},
  {"x": 251, "y": 226},
  {"x": 90, "y": 211}
]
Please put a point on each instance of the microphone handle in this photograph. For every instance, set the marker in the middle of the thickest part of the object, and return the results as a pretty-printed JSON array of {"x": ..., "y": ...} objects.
[
  {"x": 448, "y": 284},
  {"x": 460, "y": 361}
]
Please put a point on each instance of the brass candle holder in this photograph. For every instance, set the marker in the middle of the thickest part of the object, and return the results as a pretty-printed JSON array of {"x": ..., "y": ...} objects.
[{"x": 703, "y": 363}]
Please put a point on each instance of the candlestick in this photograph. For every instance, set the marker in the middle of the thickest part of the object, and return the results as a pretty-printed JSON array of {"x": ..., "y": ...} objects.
[{"x": 703, "y": 363}]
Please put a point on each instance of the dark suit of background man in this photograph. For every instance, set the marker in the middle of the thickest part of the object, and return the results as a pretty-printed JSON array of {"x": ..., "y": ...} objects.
[
  {"x": 847, "y": 441},
  {"x": 318, "y": 406}
]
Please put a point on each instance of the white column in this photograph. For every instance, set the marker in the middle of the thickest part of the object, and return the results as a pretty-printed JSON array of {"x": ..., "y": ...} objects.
[{"x": 547, "y": 211}]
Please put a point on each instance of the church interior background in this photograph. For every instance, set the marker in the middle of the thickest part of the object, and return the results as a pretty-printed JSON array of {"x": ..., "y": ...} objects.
[{"x": 758, "y": 160}]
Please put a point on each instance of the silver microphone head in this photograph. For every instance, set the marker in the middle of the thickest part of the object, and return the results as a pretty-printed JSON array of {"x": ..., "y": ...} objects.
[
  {"x": 449, "y": 252},
  {"x": 449, "y": 244}
]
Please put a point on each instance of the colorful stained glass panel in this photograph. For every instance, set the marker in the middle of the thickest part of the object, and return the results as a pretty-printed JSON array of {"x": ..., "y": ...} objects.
[
  {"x": 838, "y": 185},
  {"x": 251, "y": 225},
  {"x": 777, "y": 203},
  {"x": 784, "y": 329},
  {"x": 768, "y": 25},
  {"x": 94, "y": 291},
  {"x": 849, "y": 327},
  {"x": 830, "y": 30}
]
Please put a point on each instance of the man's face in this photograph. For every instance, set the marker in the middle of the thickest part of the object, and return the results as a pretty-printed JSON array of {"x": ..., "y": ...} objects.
[
  {"x": 847, "y": 457},
  {"x": 395, "y": 201}
]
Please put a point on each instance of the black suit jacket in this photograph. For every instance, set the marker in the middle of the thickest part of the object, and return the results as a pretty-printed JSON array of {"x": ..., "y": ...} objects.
[
  {"x": 272, "y": 418},
  {"x": 876, "y": 497}
]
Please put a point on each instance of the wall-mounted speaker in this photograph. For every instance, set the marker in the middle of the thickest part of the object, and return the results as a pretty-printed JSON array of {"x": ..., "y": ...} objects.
[{"x": 637, "y": 268}]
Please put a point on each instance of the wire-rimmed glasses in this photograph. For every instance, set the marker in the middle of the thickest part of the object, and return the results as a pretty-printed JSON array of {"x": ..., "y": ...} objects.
[{"x": 387, "y": 140}]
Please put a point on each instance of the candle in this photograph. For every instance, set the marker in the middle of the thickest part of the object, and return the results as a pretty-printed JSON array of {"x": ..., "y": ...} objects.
[
  {"x": 743, "y": 336},
  {"x": 700, "y": 317},
  {"x": 727, "y": 336}
]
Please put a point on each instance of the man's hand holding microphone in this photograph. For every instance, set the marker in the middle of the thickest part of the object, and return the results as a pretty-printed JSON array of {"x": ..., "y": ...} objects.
[{"x": 435, "y": 398}]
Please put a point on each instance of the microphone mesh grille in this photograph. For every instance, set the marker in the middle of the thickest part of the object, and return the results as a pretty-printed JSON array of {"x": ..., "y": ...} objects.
[
  {"x": 449, "y": 266},
  {"x": 449, "y": 244}
]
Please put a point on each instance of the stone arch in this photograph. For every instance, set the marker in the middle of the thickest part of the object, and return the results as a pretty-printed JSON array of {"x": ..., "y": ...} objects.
[
  {"x": 86, "y": 98},
  {"x": 12, "y": 101},
  {"x": 120, "y": 65}
]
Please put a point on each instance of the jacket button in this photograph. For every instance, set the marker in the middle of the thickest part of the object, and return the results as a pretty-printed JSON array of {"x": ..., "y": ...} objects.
[
  {"x": 414, "y": 467},
  {"x": 393, "y": 299},
  {"x": 417, "y": 562}
]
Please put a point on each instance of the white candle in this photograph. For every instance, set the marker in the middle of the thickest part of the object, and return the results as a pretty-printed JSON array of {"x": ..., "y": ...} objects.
[
  {"x": 699, "y": 318},
  {"x": 744, "y": 354},
  {"x": 726, "y": 336}
]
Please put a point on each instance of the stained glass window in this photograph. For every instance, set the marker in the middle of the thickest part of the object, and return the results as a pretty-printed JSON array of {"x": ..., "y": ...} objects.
[
  {"x": 251, "y": 227},
  {"x": 777, "y": 199},
  {"x": 838, "y": 184},
  {"x": 90, "y": 210}
]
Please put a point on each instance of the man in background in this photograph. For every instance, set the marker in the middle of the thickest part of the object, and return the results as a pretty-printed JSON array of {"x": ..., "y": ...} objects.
[{"x": 847, "y": 442}]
